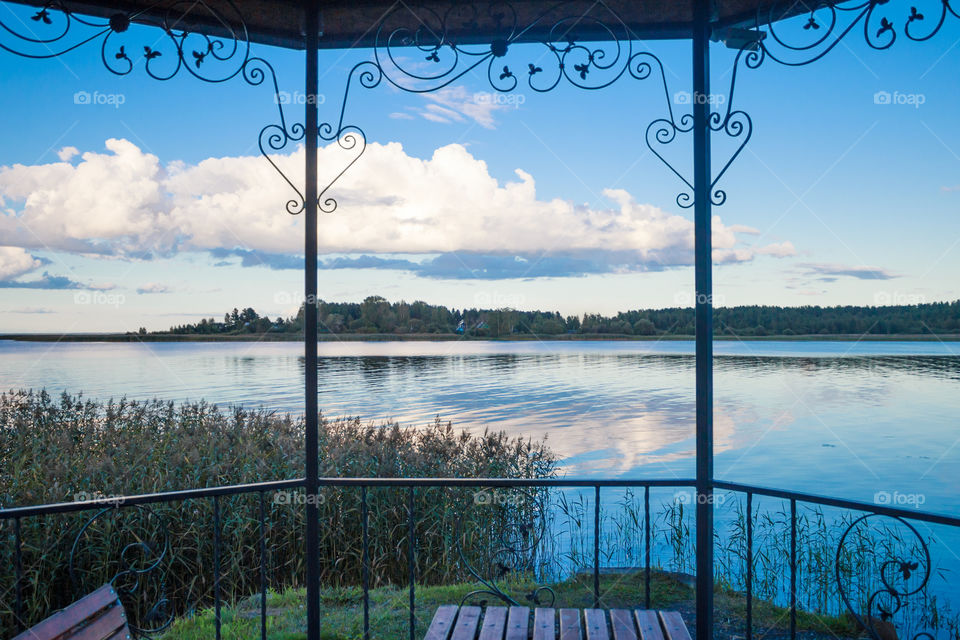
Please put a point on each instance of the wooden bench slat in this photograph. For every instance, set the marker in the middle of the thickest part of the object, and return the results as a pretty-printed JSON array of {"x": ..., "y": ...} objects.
[
  {"x": 442, "y": 622},
  {"x": 87, "y": 607},
  {"x": 467, "y": 622},
  {"x": 518, "y": 624},
  {"x": 596, "y": 624},
  {"x": 673, "y": 626},
  {"x": 123, "y": 634},
  {"x": 544, "y": 625},
  {"x": 502, "y": 623},
  {"x": 570, "y": 624},
  {"x": 103, "y": 627},
  {"x": 649, "y": 624},
  {"x": 494, "y": 624},
  {"x": 622, "y": 623}
]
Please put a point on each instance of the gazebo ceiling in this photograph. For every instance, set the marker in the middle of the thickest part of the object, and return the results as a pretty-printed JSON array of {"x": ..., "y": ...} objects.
[{"x": 354, "y": 23}]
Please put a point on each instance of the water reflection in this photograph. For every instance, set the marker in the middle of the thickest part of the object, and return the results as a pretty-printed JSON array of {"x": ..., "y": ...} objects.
[{"x": 849, "y": 416}]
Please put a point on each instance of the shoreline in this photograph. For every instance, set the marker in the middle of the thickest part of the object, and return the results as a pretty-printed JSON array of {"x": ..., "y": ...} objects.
[{"x": 441, "y": 337}]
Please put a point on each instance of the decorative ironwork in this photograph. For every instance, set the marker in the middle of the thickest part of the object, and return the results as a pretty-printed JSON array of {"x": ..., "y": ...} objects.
[
  {"x": 900, "y": 578},
  {"x": 208, "y": 58},
  {"x": 140, "y": 566},
  {"x": 826, "y": 25},
  {"x": 559, "y": 57},
  {"x": 515, "y": 536}
]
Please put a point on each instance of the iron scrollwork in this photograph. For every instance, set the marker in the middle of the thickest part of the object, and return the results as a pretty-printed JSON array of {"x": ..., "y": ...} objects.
[
  {"x": 510, "y": 533},
  {"x": 900, "y": 577},
  {"x": 212, "y": 59},
  {"x": 826, "y": 25},
  {"x": 137, "y": 571},
  {"x": 416, "y": 51}
]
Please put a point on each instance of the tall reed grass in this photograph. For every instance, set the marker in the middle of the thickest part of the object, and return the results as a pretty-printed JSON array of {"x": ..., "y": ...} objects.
[{"x": 70, "y": 448}]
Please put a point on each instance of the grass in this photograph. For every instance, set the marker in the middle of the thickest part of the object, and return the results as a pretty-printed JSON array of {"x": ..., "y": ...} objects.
[{"x": 342, "y": 609}]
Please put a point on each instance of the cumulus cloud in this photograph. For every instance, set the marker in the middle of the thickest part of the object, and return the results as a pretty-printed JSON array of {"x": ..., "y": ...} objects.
[
  {"x": 124, "y": 202},
  {"x": 67, "y": 154},
  {"x": 14, "y": 262}
]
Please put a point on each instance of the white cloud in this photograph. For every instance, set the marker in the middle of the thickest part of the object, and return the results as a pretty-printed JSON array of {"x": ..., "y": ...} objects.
[
  {"x": 154, "y": 287},
  {"x": 14, "y": 261},
  {"x": 67, "y": 154},
  {"x": 124, "y": 202},
  {"x": 456, "y": 104}
]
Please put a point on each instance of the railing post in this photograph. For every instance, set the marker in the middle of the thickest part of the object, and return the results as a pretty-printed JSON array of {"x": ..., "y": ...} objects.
[
  {"x": 311, "y": 118},
  {"x": 704, "y": 314}
]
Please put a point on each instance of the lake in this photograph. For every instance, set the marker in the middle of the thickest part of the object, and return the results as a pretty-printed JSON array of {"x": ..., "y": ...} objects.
[{"x": 838, "y": 418}]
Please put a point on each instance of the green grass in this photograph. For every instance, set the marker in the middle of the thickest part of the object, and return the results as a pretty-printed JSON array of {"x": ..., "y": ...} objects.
[{"x": 342, "y": 609}]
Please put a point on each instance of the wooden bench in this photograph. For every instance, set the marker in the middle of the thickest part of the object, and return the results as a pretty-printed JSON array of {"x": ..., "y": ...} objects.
[
  {"x": 97, "y": 616},
  {"x": 514, "y": 623}
]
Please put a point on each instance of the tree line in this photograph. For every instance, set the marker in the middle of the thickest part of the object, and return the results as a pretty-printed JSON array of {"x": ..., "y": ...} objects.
[{"x": 376, "y": 315}]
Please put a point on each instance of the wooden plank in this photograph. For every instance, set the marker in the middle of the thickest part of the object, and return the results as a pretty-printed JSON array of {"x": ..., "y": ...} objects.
[
  {"x": 596, "y": 624},
  {"x": 518, "y": 623},
  {"x": 649, "y": 624},
  {"x": 467, "y": 622},
  {"x": 442, "y": 623},
  {"x": 103, "y": 627},
  {"x": 673, "y": 626},
  {"x": 494, "y": 624},
  {"x": 622, "y": 624},
  {"x": 570, "y": 624},
  {"x": 544, "y": 625},
  {"x": 86, "y": 607}
]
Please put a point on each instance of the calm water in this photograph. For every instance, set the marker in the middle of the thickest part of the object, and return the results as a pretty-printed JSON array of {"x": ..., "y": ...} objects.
[{"x": 827, "y": 417}]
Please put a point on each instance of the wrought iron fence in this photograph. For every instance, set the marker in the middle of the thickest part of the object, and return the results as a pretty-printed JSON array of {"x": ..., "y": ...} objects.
[{"x": 514, "y": 537}]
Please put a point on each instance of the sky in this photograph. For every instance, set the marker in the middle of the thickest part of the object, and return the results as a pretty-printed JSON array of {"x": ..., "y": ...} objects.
[{"x": 130, "y": 202}]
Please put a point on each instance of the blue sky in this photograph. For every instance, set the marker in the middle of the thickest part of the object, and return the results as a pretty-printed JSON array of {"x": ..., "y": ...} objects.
[{"x": 151, "y": 207}]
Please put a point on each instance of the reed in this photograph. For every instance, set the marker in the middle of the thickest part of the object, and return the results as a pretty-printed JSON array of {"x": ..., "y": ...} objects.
[{"x": 71, "y": 448}]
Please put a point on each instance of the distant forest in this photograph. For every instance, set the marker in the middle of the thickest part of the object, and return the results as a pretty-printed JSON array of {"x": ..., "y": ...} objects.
[{"x": 376, "y": 315}]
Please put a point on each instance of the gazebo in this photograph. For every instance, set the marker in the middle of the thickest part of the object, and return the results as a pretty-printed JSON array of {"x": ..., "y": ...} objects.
[{"x": 590, "y": 45}]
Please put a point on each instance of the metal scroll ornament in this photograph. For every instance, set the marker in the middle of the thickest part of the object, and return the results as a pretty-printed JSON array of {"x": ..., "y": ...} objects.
[
  {"x": 506, "y": 531},
  {"x": 55, "y": 29},
  {"x": 825, "y": 25},
  {"x": 136, "y": 541},
  {"x": 575, "y": 44},
  {"x": 905, "y": 573}
]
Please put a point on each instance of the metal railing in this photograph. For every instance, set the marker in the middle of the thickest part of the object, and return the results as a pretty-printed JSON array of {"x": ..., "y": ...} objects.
[{"x": 215, "y": 495}]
